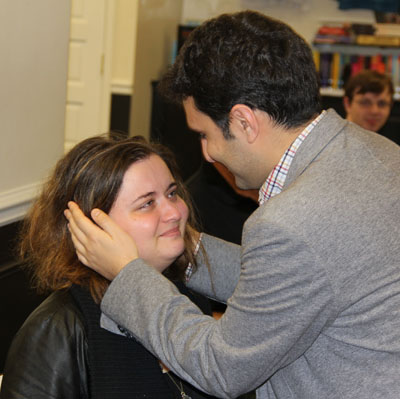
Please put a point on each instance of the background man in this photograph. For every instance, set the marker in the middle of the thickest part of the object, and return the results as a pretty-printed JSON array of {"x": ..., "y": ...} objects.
[
  {"x": 313, "y": 292},
  {"x": 368, "y": 99}
]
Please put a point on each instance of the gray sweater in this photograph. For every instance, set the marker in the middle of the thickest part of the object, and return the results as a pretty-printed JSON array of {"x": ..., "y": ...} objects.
[{"x": 313, "y": 293}]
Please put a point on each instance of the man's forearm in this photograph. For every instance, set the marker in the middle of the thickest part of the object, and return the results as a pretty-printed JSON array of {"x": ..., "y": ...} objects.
[{"x": 218, "y": 269}]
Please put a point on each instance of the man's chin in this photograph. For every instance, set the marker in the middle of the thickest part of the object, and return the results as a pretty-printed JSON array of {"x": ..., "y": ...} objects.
[
  {"x": 374, "y": 126},
  {"x": 240, "y": 183},
  {"x": 244, "y": 185}
]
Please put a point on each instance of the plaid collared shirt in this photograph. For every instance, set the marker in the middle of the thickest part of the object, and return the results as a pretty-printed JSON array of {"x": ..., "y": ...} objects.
[
  {"x": 276, "y": 179},
  {"x": 189, "y": 268}
]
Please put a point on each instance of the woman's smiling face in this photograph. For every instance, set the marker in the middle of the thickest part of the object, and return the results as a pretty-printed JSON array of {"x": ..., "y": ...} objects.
[{"x": 149, "y": 209}]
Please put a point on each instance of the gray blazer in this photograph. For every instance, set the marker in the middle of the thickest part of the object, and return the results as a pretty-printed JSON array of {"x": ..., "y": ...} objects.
[{"x": 313, "y": 293}]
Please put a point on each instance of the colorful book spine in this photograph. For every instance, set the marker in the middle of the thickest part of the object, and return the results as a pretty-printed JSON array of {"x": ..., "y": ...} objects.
[
  {"x": 335, "y": 69},
  {"x": 316, "y": 57},
  {"x": 395, "y": 73},
  {"x": 325, "y": 69}
]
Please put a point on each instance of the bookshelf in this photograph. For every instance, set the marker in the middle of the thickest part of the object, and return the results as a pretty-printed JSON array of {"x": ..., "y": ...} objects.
[
  {"x": 341, "y": 50},
  {"x": 356, "y": 49},
  {"x": 336, "y": 62}
]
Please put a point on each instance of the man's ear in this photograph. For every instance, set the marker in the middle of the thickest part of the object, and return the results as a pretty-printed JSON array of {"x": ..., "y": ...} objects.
[
  {"x": 245, "y": 119},
  {"x": 346, "y": 104}
]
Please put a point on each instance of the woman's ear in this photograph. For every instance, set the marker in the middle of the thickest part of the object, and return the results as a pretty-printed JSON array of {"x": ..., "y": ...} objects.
[{"x": 245, "y": 121}]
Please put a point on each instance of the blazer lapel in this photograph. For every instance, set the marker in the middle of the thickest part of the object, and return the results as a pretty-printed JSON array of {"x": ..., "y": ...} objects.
[{"x": 326, "y": 130}]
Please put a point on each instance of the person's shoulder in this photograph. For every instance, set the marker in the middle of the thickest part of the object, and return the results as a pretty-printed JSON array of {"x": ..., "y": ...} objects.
[
  {"x": 57, "y": 311},
  {"x": 51, "y": 348},
  {"x": 55, "y": 304},
  {"x": 373, "y": 149}
]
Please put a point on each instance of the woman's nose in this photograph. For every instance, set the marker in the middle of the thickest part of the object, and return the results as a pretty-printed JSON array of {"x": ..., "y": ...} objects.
[{"x": 171, "y": 210}]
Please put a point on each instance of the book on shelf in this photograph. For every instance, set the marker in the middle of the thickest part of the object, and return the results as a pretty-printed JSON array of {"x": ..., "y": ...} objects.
[
  {"x": 377, "y": 40},
  {"x": 380, "y": 34},
  {"x": 332, "y": 39},
  {"x": 387, "y": 29},
  {"x": 333, "y": 33}
]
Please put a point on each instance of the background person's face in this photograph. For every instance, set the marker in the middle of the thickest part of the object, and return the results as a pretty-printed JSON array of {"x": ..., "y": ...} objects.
[
  {"x": 148, "y": 208},
  {"x": 369, "y": 110}
]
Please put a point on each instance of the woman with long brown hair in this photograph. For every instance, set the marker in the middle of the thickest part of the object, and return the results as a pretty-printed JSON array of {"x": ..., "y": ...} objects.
[{"x": 61, "y": 351}]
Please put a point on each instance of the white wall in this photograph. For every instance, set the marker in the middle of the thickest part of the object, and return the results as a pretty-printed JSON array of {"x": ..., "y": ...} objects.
[
  {"x": 304, "y": 16},
  {"x": 33, "y": 71}
]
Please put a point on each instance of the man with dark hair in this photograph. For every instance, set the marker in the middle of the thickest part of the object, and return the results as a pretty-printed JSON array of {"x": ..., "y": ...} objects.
[
  {"x": 368, "y": 99},
  {"x": 313, "y": 292}
]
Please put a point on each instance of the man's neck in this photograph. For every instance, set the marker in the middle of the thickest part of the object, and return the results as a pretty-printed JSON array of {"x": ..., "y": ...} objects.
[{"x": 282, "y": 138}]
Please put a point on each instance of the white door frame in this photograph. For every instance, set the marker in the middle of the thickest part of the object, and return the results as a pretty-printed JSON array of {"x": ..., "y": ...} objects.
[{"x": 89, "y": 78}]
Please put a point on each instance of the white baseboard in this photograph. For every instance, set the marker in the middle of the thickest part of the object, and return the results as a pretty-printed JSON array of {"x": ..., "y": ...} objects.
[{"x": 14, "y": 203}]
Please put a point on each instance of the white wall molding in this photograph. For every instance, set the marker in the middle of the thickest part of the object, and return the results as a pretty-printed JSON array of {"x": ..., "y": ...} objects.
[
  {"x": 14, "y": 203},
  {"x": 121, "y": 86}
]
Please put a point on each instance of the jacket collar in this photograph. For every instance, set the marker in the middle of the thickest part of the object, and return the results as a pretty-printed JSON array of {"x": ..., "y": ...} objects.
[{"x": 327, "y": 128}]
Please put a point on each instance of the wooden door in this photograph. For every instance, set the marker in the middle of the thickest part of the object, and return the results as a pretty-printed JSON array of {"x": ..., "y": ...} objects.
[{"x": 88, "y": 93}]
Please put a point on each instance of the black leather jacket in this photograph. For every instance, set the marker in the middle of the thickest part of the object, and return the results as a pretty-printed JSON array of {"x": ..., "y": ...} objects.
[
  {"x": 51, "y": 341},
  {"x": 49, "y": 358}
]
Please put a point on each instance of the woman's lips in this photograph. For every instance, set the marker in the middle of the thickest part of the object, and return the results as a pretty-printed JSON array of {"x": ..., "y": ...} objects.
[{"x": 172, "y": 232}]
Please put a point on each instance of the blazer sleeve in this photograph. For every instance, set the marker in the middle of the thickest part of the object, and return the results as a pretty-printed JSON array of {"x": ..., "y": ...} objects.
[
  {"x": 279, "y": 306},
  {"x": 218, "y": 269},
  {"x": 47, "y": 356}
]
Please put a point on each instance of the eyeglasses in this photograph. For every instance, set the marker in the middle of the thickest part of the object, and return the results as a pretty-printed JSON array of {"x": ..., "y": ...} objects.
[{"x": 366, "y": 103}]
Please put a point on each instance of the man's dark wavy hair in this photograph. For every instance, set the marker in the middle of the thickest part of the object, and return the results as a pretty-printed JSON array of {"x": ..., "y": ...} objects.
[{"x": 246, "y": 58}]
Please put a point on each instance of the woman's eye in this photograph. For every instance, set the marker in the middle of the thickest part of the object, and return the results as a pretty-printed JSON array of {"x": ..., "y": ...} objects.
[
  {"x": 172, "y": 194},
  {"x": 147, "y": 204}
]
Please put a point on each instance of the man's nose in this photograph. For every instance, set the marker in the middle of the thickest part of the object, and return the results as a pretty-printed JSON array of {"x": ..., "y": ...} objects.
[{"x": 375, "y": 108}]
